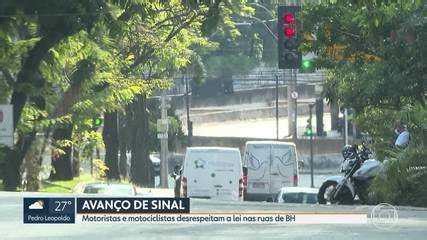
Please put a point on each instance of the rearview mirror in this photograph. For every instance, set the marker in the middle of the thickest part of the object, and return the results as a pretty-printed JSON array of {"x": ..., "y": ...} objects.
[{"x": 177, "y": 169}]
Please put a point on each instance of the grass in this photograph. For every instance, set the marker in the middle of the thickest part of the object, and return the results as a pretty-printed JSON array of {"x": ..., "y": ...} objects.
[
  {"x": 62, "y": 186},
  {"x": 66, "y": 186}
]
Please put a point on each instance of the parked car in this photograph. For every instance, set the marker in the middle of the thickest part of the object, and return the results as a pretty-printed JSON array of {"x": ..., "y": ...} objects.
[
  {"x": 154, "y": 158},
  {"x": 212, "y": 172},
  {"x": 270, "y": 165},
  {"x": 297, "y": 195}
]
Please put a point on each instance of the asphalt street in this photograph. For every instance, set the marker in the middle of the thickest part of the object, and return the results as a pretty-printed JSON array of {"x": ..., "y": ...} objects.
[{"x": 412, "y": 224}]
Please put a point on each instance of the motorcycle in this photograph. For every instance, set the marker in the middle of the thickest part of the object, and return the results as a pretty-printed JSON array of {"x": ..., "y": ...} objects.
[{"x": 359, "y": 171}]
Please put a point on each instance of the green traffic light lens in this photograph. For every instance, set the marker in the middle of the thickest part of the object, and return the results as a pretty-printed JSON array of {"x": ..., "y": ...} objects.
[
  {"x": 97, "y": 122},
  {"x": 306, "y": 64}
]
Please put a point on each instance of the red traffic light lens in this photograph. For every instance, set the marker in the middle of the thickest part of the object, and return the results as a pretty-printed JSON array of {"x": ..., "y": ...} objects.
[
  {"x": 289, "y": 32},
  {"x": 289, "y": 18}
]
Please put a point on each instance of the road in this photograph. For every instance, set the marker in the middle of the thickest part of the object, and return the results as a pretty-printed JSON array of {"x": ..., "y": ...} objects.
[{"x": 412, "y": 224}]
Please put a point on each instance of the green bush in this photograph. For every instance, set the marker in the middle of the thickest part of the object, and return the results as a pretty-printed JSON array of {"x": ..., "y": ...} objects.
[
  {"x": 405, "y": 177},
  {"x": 404, "y": 180}
]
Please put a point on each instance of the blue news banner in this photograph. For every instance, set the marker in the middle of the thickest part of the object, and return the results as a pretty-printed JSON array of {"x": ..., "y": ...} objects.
[{"x": 64, "y": 210}]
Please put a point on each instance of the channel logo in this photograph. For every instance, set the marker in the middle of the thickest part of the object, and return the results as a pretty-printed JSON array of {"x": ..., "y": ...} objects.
[{"x": 49, "y": 210}]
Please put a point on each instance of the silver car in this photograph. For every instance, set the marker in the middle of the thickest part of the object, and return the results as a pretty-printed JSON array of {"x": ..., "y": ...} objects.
[{"x": 297, "y": 195}]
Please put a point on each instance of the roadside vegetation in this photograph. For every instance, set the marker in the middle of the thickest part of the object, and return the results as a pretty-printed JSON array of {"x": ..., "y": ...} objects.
[
  {"x": 66, "y": 186},
  {"x": 81, "y": 75},
  {"x": 375, "y": 55}
]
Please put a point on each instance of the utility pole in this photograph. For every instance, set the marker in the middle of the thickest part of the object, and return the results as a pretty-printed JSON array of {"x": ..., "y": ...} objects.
[
  {"x": 277, "y": 107},
  {"x": 162, "y": 127},
  {"x": 311, "y": 144}
]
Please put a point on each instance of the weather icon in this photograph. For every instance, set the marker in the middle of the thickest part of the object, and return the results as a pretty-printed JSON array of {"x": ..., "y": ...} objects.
[{"x": 37, "y": 205}]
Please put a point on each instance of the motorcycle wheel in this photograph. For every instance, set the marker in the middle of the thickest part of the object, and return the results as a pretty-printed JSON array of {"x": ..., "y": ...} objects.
[{"x": 327, "y": 189}]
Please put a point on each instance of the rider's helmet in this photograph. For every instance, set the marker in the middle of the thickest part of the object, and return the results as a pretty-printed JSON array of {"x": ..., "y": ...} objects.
[
  {"x": 349, "y": 152},
  {"x": 350, "y": 157}
]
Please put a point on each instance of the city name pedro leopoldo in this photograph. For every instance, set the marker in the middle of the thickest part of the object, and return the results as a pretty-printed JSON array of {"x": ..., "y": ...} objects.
[
  {"x": 132, "y": 205},
  {"x": 46, "y": 218}
]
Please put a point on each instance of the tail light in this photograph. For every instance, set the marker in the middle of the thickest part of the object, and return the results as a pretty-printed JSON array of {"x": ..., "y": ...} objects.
[
  {"x": 245, "y": 182},
  {"x": 241, "y": 187},
  {"x": 183, "y": 187},
  {"x": 295, "y": 180}
]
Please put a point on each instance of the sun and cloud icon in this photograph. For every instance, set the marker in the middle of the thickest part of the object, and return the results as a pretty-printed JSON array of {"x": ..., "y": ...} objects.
[{"x": 37, "y": 205}]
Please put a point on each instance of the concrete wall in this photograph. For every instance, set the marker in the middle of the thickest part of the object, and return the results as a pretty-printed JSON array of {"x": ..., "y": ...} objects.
[
  {"x": 245, "y": 114},
  {"x": 264, "y": 95}
]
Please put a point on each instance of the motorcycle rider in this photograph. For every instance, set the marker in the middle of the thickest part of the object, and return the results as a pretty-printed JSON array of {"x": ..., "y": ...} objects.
[
  {"x": 176, "y": 174},
  {"x": 403, "y": 136}
]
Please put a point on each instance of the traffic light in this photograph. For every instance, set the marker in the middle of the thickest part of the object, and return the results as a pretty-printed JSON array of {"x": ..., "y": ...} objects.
[
  {"x": 308, "y": 129},
  {"x": 307, "y": 66},
  {"x": 289, "y": 39},
  {"x": 97, "y": 122}
]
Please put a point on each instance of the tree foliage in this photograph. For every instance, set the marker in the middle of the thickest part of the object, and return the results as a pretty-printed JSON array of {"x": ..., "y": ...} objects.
[
  {"x": 65, "y": 62},
  {"x": 374, "y": 52},
  {"x": 373, "y": 49}
]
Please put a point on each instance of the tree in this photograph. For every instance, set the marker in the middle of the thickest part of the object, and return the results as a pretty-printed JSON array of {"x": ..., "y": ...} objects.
[
  {"x": 132, "y": 48},
  {"x": 374, "y": 52},
  {"x": 29, "y": 82},
  {"x": 373, "y": 49},
  {"x": 157, "y": 49}
]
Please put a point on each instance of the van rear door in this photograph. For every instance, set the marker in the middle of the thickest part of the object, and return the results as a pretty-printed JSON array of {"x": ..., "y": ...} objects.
[
  {"x": 257, "y": 160},
  {"x": 213, "y": 173},
  {"x": 283, "y": 165},
  {"x": 225, "y": 173},
  {"x": 196, "y": 170}
]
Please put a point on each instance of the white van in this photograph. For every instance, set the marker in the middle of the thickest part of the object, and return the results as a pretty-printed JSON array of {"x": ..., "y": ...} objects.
[
  {"x": 212, "y": 172},
  {"x": 270, "y": 166}
]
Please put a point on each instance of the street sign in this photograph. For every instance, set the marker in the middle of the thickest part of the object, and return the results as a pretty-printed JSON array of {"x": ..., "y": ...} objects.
[
  {"x": 294, "y": 95},
  {"x": 162, "y": 135},
  {"x": 6, "y": 125}
]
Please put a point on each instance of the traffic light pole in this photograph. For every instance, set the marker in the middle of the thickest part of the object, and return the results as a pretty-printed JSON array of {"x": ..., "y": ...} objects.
[
  {"x": 277, "y": 108},
  {"x": 292, "y": 115},
  {"x": 311, "y": 144},
  {"x": 289, "y": 57},
  {"x": 345, "y": 127},
  {"x": 295, "y": 131}
]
